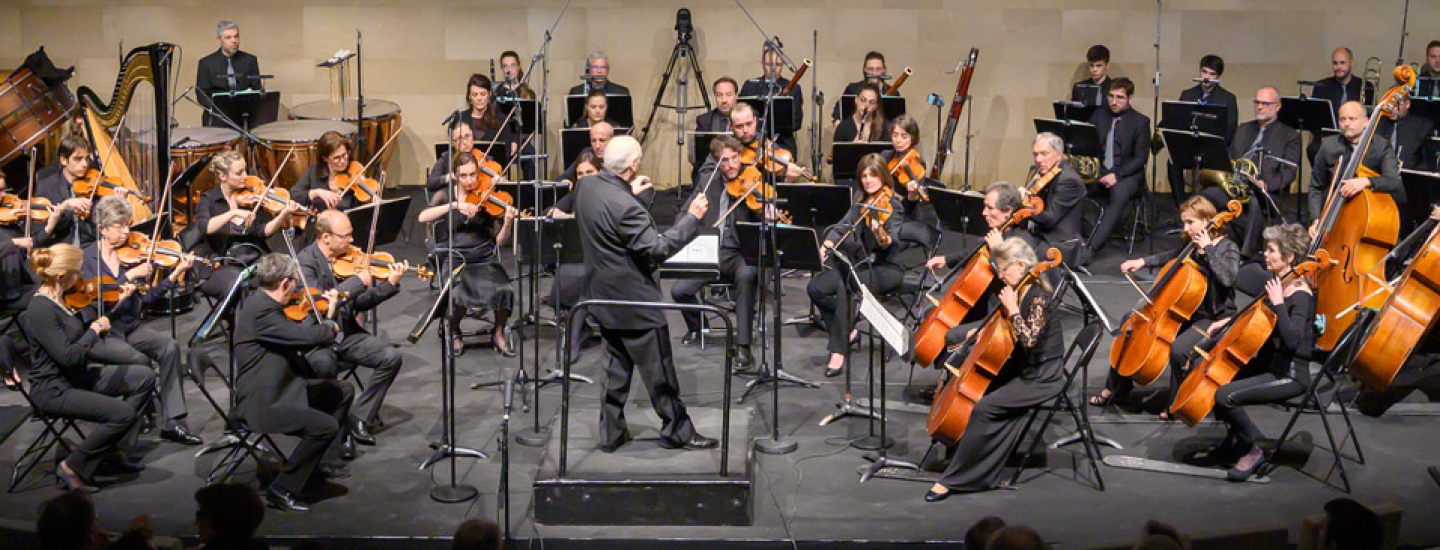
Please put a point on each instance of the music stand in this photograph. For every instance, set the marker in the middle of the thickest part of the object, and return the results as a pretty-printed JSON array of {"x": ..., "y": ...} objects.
[
  {"x": 250, "y": 108},
  {"x": 572, "y": 142},
  {"x": 1196, "y": 151},
  {"x": 814, "y": 205},
  {"x": 524, "y": 122},
  {"x": 499, "y": 152},
  {"x": 1428, "y": 107},
  {"x": 1089, "y": 94},
  {"x": 1307, "y": 114},
  {"x": 894, "y": 106},
  {"x": 1420, "y": 193},
  {"x": 700, "y": 146},
  {"x": 960, "y": 211},
  {"x": 538, "y": 197},
  {"x": 847, "y": 157},
  {"x": 618, "y": 109},
  {"x": 784, "y": 105},
  {"x": 799, "y": 248},
  {"x": 1081, "y": 138},
  {"x": 387, "y": 230},
  {"x": 1427, "y": 87},
  {"x": 1181, "y": 115},
  {"x": 1068, "y": 110}
]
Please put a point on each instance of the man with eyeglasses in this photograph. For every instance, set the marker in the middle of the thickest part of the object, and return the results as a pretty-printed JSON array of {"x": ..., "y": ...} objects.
[
  {"x": 1275, "y": 149},
  {"x": 597, "y": 77},
  {"x": 357, "y": 347}
]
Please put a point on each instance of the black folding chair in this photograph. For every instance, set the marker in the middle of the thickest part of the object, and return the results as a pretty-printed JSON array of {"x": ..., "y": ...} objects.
[
  {"x": 52, "y": 431},
  {"x": 1081, "y": 350}
]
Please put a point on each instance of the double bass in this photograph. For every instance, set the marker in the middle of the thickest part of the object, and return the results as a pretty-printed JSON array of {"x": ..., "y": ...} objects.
[
  {"x": 1243, "y": 339},
  {"x": 994, "y": 343},
  {"x": 1357, "y": 231},
  {"x": 1407, "y": 317},
  {"x": 964, "y": 288},
  {"x": 1142, "y": 350}
]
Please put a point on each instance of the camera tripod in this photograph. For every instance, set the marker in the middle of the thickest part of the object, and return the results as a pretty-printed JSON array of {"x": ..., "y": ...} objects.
[{"x": 682, "y": 50}]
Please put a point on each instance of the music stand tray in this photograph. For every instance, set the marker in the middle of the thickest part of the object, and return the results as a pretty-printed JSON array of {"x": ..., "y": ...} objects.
[
  {"x": 619, "y": 109},
  {"x": 1081, "y": 138},
  {"x": 392, "y": 216},
  {"x": 1184, "y": 147},
  {"x": 527, "y": 119},
  {"x": 1420, "y": 193},
  {"x": 499, "y": 151},
  {"x": 799, "y": 246},
  {"x": 1177, "y": 115},
  {"x": 249, "y": 108},
  {"x": 1081, "y": 113},
  {"x": 894, "y": 106},
  {"x": 784, "y": 112},
  {"x": 559, "y": 236},
  {"x": 960, "y": 211},
  {"x": 847, "y": 156},
  {"x": 816, "y": 205},
  {"x": 1089, "y": 94},
  {"x": 1315, "y": 112}
]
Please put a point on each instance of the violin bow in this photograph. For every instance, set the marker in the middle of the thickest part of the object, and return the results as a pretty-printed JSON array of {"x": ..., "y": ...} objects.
[
  {"x": 738, "y": 200},
  {"x": 360, "y": 178},
  {"x": 300, "y": 271},
  {"x": 266, "y": 191},
  {"x": 105, "y": 163},
  {"x": 30, "y": 194},
  {"x": 503, "y": 123}
]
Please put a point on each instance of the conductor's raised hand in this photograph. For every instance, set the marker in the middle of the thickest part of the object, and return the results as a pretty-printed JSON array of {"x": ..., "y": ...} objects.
[
  {"x": 699, "y": 206},
  {"x": 640, "y": 185}
]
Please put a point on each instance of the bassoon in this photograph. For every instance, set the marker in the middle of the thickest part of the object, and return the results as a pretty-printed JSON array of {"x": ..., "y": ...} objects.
[{"x": 947, "y": 137}]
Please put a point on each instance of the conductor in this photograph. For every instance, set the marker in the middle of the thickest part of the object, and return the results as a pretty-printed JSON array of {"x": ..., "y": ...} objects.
[{"x": 624, "y": 249}]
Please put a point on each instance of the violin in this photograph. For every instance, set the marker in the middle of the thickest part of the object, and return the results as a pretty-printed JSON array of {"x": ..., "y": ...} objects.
[
  {"x": 93, "y": 185},
  {"x": 1142, "y": 349},
  {"x": 86, "y": 291},
  {"x": 14, "y": 209},
  {"x": 1038, "y": 181},
  {"x": 992, "y": 348},
  {"x": 274, "y": 201},
  {"x": 750, "y": 185},
  {"x": 353, "y": 180},
  {"x": 380, "y": 264},
  {"x": 492, "y": 200},
  {"x": 907, "y": 168},
  {"x": 964, "y": 288},
  {"x": 302, "y": 303},
  {"x": 489, "y": 169},
  {"x": 776, "y": 161},
  {"x": 1243, "y": 338},
  {"x": 165, "y": 253},
  {"x": 1406, "y": 319}
]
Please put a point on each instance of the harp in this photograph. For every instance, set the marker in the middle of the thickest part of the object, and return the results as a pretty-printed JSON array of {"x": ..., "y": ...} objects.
[{"x": 131, "y": 133}]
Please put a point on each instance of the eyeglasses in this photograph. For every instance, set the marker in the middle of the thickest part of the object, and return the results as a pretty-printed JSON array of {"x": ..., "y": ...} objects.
[
  {"x": 345, "y": 237},
  {"x": 1259, "y": 103}
]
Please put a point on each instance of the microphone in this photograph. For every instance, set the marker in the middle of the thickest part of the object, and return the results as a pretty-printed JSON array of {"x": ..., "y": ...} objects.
[
  {"x": 181, "y": 95},
  {"x": 934, "y": 99},
  {"x": 492, "y": 70},
  {"x": 1206, "y": 80},
  {"x": 1071, "y": 103}
]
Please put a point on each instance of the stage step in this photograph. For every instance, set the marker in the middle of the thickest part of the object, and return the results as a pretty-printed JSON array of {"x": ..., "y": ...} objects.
[{"x": 643, "y": 483}]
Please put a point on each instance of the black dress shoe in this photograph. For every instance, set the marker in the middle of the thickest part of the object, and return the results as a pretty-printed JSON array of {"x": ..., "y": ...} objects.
[
  {"x": 332, "y": 471},
  {"x": 360, "y": 433},
  {"x": 624, "y": 438},
  {"x": 1434, "y": 474},
  {"x": 283, "y": 501},
  {"x": 347, "y": 448},
  {"x": 147, "y": 423},
  {"x": 697, "y": 442},
  {"x": 690, "y": 338},
  {"x": 831, "y": 373},
  {"x": 1236, "y": 474},
  {"x": 180, "y": 434},
  {"x": 932, "y": 496},
  {"x": 743, "y": 359}
]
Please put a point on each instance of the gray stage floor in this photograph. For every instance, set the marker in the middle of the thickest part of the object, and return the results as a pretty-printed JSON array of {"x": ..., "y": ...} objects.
[{"x": 812, "y": 494}]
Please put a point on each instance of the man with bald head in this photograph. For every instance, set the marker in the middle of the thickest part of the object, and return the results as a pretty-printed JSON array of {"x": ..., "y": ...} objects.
[
  {"x": 1343, "y": 86},
  {"x": 1379, "y": 157},
  {"x": 334, "y": 237},
  {"x": 1275, "y": 148},
  {"x": 600, "y": 135}
]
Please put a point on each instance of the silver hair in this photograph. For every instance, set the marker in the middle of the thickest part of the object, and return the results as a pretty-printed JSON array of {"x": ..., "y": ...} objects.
[
  {"x": 274, "y": 268},
  {"x": 111, "y": 210},
  {"x": 225, "y": 26},
  {"x": 620, "y": 153},
  {"x": 1007, "y": 197},
  {"x": 1056, "y": 144},
  {"x": 597, "y": 54}
]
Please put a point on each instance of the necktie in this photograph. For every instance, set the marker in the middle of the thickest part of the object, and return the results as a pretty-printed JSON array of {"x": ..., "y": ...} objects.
[
  {"x": 1344, "y": 92},
  {"x": 230, "y": 72},
  {"x": 1259, "y": 136},
  {"x": 1110, "y": 144}
]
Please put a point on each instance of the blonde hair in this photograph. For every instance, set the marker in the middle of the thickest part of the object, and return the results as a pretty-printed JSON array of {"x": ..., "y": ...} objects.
[
  {"x": 220, "y": 163},
  {"x": 1204, "y": 210},
  {"x": 50, "y": 264}
]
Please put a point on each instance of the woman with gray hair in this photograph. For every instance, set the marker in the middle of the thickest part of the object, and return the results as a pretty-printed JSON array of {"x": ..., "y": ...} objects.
[{"x": 129, "y": 343}]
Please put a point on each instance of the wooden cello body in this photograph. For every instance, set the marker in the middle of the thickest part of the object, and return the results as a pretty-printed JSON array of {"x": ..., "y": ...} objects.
[
  {"x": 1406, "y": 319},
  {"x": 1142, "y": 350},
  {"x": 994, "y": 343}
]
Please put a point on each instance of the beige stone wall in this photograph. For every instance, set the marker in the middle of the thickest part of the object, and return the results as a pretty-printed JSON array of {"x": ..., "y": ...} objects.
[{"x": 419, "y": 52}]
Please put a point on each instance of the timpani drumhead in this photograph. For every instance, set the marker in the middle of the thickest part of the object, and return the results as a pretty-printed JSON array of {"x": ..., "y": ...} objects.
[
  {"x": 345, "y": 110},
  {"x": 201, "y": 137}
]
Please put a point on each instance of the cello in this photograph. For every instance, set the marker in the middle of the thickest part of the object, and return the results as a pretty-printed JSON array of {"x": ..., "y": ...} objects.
[
  {"x": 964, "y": 288},
  {"x": 950, "y": 413},
  {"x": 1241, "y": 342},
  {"x": 1142, "y": 349},
  {"x": 1406, "y": 318},
  {"x": 1357, "y": 231}
]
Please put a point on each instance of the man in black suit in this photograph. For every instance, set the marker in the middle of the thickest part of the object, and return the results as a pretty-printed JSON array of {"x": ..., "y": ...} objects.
[
  {"x": 1342, "y": 86},
  {"x": 760, "y": 86},
  {"x": 1275, "y": 147},
  {"x": 623, "y": 249},
  {"x": 1094, "y": 90},
  {"x": 334, "y": 236},
  {"x": 1207, "y": 92},
  {"x": 1059, "y": 225},
  {"x": 1409, "y": 135},
  {"x": 67, "y": 223},
  {"x": 597, "y": 77},
  {"x": 1379, "y": 157},
  {"x": 272, "y": 398},
  {"x": 227, "y": 69},
  {"x": 726, "y": 90},
  {"x": 874, "y": 72},
  {"x": 1126, "y": 134}
]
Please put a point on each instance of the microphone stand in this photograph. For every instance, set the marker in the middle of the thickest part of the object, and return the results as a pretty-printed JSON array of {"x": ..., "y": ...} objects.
[{"x": 1149, "y": 206}]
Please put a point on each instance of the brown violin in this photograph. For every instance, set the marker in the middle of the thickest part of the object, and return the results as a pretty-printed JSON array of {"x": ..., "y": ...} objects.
[
  {"x": 14, "y": 209},
  {"x": 380, "y": 264},
  {"x": 907, "y": 168},
  {"x": 301, "y": 303},
  {"x": 776, "y": 161},
  {"x": 86, "y": 291},
  {"x": 964, "y": 288},
  {"x": 274, "y": 200},
  {"x": 93, "y": 185},
  {"x": 165, "y": 253},
  {"x": 993, "y": 345},
  {"x": 353, "y": 180},
  {"x": 1142, "y": 350},
  {"x": 750, "y": 185}
]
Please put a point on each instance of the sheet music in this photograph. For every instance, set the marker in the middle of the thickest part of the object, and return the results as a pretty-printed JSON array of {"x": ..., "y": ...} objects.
[
  {"x": 890, "y": 328},
  {"x": 705, "y": 249}
]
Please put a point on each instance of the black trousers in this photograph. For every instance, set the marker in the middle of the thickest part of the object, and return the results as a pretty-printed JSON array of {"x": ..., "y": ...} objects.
[
  {"x": 141, "y": 347},
  {"x": 735, "y": 271},
  {"x": 1420, "y": 372},
  {"x": 320, "y": 435},
  {"x": 828, "y": 293},
  {"x": 1257, "y": 389},
  {"x": 649, "y": 350},
  {"x": 113, "y": 403},
  {"x": 565, "y": 292},
  {"x": 1116, "y": 200},
  {"x": 364, "y": 350},
  {"x": 14, "y": 356}
]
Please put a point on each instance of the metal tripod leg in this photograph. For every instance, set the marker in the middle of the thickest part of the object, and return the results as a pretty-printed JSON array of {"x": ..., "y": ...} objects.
[
  {"x": 445, "y": 450},
  {"x": 764, "y": 378}
]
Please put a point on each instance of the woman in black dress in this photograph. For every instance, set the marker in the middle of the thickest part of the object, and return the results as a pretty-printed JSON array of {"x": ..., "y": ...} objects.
[
  {"x": 230, "y": 227},
  {"x": 868, "y": 122},
  {"x": 64, "y": 385},
  {"x": 485, "y": 119},
  {"x": 1031, "y": 376},
  {"x": 319, "y": 185},
  {"x": 478, "y": 238}
]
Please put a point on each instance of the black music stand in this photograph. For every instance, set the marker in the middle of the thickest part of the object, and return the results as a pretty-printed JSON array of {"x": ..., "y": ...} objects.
[
  {"x": 847, "y": 157},
  {"x": 960, "y": 211},
  {"x": 572, "y": 142},
  {"x": 1422, "y": 189},
  {"x": 700, "y": 146},
  {"x": 1081, "y": 138},
  {"x": 1182, "y": 115},
  {"x": 498, "y": 151},
  {"x": 1068, "y": 110},
  {"x": 784, "y": 105},
  {"x": 537, "y": 197},
  {"x": 894, "y": 106},
  {"x": 1196, "y": 151},
  {"x": 1427, "y": 87},
  {"x": 619, "y": 109},
  {"x": 814, "y": 205},
  {"x": 387, "y": 229},
  {"x": 524, "y": 122},
  {"x": 250, "y": 108},
  {"x": 799, "y": 248},
  {"x": 1089, "y": 94},
  {"x": 1428, "y": 107}
]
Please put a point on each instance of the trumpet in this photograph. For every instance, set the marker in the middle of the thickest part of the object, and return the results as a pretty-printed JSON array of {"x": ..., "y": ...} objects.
[{"x": 1087, "y": 167}]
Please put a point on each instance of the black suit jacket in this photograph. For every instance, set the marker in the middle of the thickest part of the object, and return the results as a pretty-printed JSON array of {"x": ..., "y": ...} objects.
[
  {"x": 1060, "y": 221},
  {"x": 610, "y": 88},
  {"x": 1338, "y": 93},
  {"x": 1379, "y": 157},
  {"x": 55, "y": 188},
  {"x": 269, "y": 347},
  {"x": 210, "y": 75},
  {"x": 623, "y": 249},
  {"x": 712, "y": 121},
  {"x": 1411, "y": 139},
  {"x": 1218, "y": 96},
  {"x": 1281, "y": 143},
  {"x": 755, "y": 87},
  {"x": 1089, "y": 97},
  {"x": 318, "y": 274},
  {"x": 1132, "y": 141}
]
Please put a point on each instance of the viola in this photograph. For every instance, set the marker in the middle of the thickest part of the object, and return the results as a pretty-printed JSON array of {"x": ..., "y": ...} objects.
[
  {"x": 1243, "y": 338},
  {"x": 14, "y": 209},
  {"x": 165, "y": 253},
  {"x": 274, "y": 200},
  {"x": 380, "y": 264},
  {"x": 750, "y": 184},
  {"x": 776, "y": 161},
  {"x": 301, "y": 303},
  {"x": 1357, "y": 231},
  {"x": 353, "y": 180},
  {"x": 907, "y": 168},
  {"x": 93, "y": 185},
  {"x": 86, "y": 291},
  {"x": 1405, "y": 320},
  {"x": 1142, "y": 350},
  {"x": 1039, "y": 181},
  {"x": 489, "y": 169},
  {"x": 964, "y": 288},
  {"x": 993, "y": 345}
]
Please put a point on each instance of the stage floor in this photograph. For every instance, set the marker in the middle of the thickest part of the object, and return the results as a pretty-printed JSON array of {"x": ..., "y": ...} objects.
[{"x": 810, "y": 495}]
